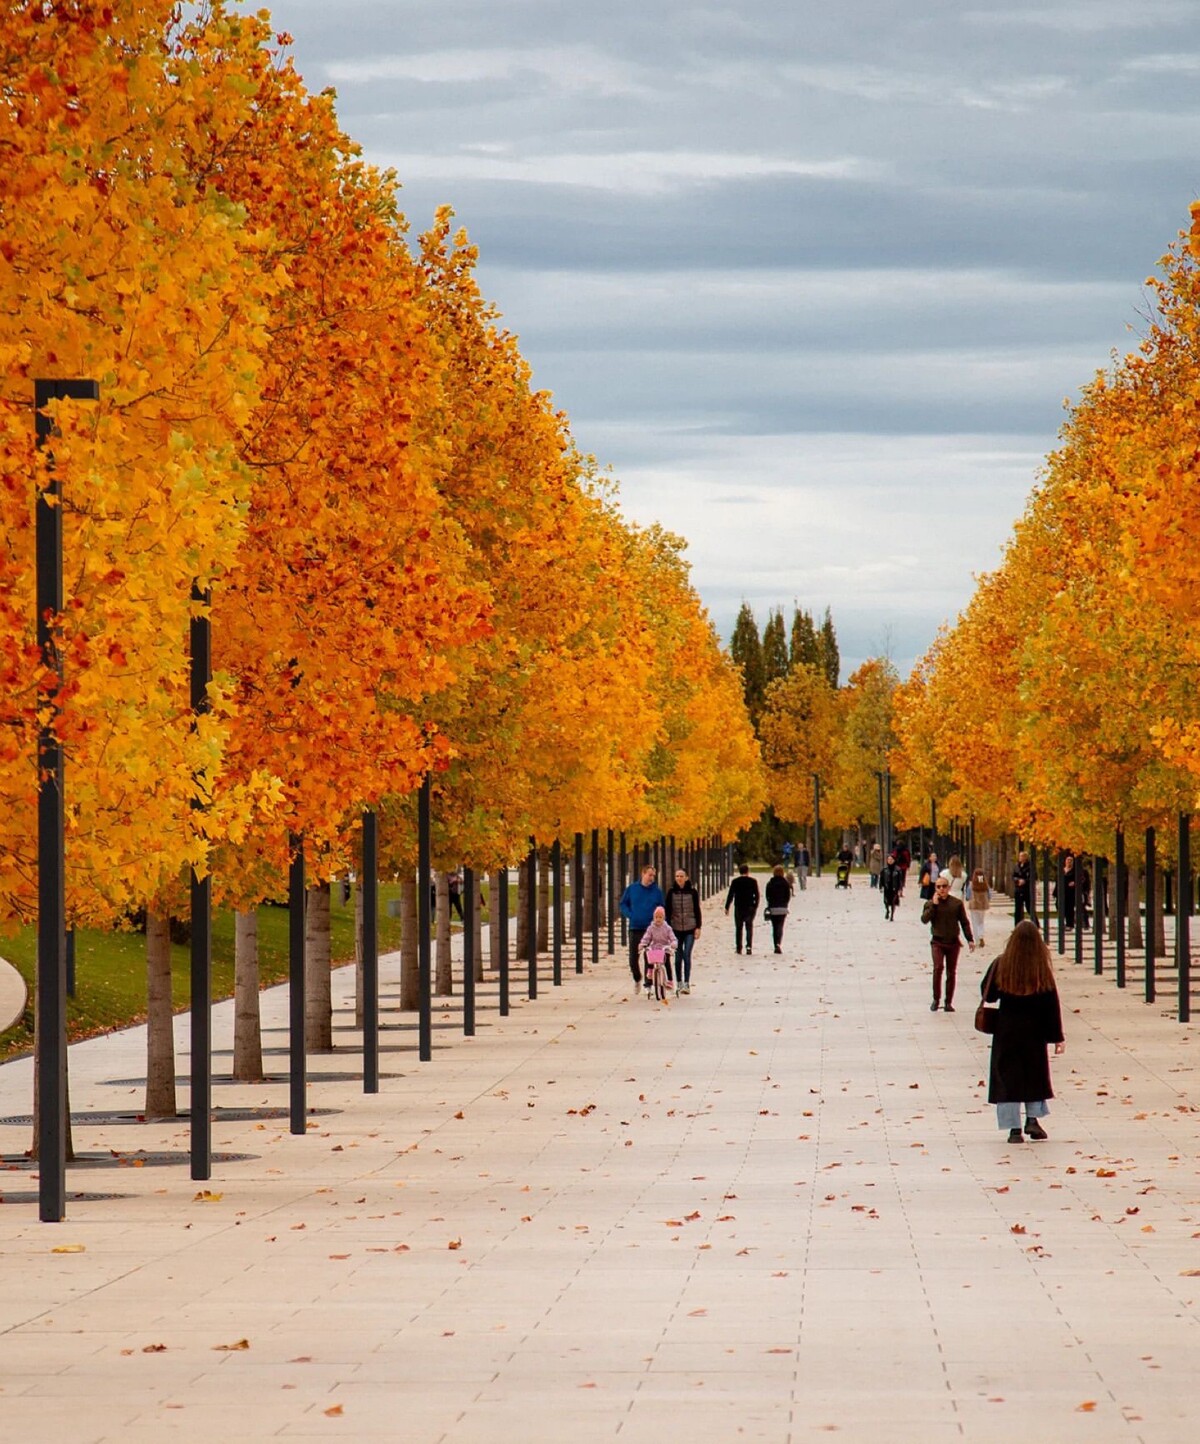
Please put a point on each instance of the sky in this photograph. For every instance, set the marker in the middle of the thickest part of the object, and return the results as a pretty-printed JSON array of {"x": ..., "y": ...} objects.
[{"x": 814, "y": 279}]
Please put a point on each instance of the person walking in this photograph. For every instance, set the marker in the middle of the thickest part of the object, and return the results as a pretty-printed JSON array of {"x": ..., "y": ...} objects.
[
  {"x": 1028, "y": 1020},
  {"x": 875, "y": 863},
  {"x": 1022, "y": 888},
  {"x": 958, "y": 877},
  {"x": 929, "y": 875},
  {"x": 903, "y": 862},
  {"x": 637, "y": 905},
  {"x": 743, "y": 897},
  {"x": 779, "y": 896},
  {"x": 1064, "y": 892},
  {"x": 891, "y": 882},
  {"x": 978, "y": 899},
  {"x": 945, "y": 916},
  {"x": 803, "y": 863},
  {"x": 683, "y": 913},
  {"x": 454, "y": 892}
]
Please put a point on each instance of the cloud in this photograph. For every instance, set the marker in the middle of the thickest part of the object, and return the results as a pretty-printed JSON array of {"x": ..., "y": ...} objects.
[
  {"x": 573, "y": 70},
  {"x": 632, "y": 172}
]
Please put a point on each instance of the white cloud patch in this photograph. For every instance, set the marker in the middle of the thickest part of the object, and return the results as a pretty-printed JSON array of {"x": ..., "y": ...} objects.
[
  {"x": 573, "y": 70},
  {"x": 628, "y": 172}
]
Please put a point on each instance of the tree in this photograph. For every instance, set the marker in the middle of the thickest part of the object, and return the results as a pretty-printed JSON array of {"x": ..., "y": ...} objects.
[
  {"x": 827, "y": 651},
  {"x": 745, "y": 647},
  {"x": 805, "y": 649},
  {"x": 774, "y": 648}
]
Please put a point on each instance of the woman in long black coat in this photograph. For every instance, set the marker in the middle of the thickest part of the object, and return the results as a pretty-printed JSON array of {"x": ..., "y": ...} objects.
[{"x": 1029, "y": 1020}]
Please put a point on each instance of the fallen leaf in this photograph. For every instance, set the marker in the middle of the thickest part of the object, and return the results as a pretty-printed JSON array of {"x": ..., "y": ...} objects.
[
  {"x": 1017, "y": 1228},
  {"x": 1086, "y": 1407},
  {"x": 154, "y": 1348},
  {"x": 333, "y": 1411},
  {"x": 231, "y": 1348},
  {"x": 697, "y": 1313},
  {"x": 69, "y": 1248},
  {"x": 455, "y": 1243},
  {"x": 206, "y": 1195}
]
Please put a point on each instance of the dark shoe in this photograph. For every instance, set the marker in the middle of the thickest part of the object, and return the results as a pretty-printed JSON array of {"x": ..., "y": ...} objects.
[
  {"x": 949, "y": 1007},
  {"x": 933, "y": 1007},
  {"x": 779, "y": 950},
  {"x": 749, "y": 952},
  {"x": 1014, "y": 1136},
  {"x": 1035, "y": 1129}
]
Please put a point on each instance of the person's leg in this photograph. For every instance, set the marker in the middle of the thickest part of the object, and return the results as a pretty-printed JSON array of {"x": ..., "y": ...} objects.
[
  {"x": 686, "y": 941},
  {"x": 1018, "y": 907},
  {"x": 1008, "y": 1115},
  {"x": 952, "y": 952},
  {"x": 939, "y": 963},
  {"x": 1034, "y": 1110},
  {"x": 777, "y": 933},
  {"x": 739, "y": 924},
  {"x": 750, "y": 933},
  {"x": 635, "y": 938}
]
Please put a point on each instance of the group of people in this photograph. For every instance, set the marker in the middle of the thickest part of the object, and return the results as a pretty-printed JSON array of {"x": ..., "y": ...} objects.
[
  {"x": 670, "y": 922},
  {"x": 796, "y": 855}
]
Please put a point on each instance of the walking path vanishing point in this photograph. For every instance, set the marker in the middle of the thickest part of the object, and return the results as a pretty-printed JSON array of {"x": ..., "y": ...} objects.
[{"x": 778, "y": 1210}]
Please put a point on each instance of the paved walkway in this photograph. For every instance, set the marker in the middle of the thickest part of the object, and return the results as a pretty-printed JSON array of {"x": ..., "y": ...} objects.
[{"x": 778, "y": 1210}]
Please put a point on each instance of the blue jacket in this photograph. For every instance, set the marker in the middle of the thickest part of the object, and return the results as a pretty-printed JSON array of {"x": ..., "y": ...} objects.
[{"x": 638, "y": 904}]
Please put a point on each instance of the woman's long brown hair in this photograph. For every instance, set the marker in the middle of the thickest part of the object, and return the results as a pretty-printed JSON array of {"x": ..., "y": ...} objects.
[{"x": 1023, "y": 968}]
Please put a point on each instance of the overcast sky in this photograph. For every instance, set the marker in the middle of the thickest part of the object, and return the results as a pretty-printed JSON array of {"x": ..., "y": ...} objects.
[{"x": 813, "y": 279}]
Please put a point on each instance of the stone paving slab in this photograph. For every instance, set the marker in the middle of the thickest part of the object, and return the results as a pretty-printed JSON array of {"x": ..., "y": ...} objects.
[{"x": 778, "y": 1209}]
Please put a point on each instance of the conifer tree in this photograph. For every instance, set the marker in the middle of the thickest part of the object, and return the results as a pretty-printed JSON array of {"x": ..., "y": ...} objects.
[
  {"x": 827, "y": 648},
  {"x": 805, "y": 651},
  {"x": 745, "y": 647},
  {"x": 774, "y": 647}
]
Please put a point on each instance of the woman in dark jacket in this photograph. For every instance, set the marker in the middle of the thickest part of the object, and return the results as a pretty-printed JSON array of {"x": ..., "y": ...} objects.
[
  {"x": 779, "y": 897},
  {"x": 1021, "y": 980},
  {"x": 683, "y": 914}
]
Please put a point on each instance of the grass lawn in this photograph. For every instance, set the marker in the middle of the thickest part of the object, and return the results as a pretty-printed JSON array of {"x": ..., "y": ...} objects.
[{"x": 110, "y": 967}]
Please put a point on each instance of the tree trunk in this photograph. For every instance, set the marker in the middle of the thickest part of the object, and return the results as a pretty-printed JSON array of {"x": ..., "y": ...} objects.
[
  {"x": 587, "y": 889},
  {"x": 494, "y": 905},
  {"x": 544, "y": 900},
  {"x": 1134, "y": 909},
  {"x": 478, "y": 928},
  {"x": 37, "y": 1106},
  {"x": 1160, "y": 925},
  {"x": 523, "y": 910},
  {"x": 318, "y": 993},
  {"x": 160, "y": 1024},
  {"x": 247, "y": 1024},
  {"x": 358, "y": 953},
  {"x": 410, "y": 962},
  {"x": 443, "y": 980}
]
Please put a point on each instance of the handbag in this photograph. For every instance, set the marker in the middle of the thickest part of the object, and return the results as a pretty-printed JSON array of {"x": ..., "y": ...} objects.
[{"x": 986, "y": 1014}]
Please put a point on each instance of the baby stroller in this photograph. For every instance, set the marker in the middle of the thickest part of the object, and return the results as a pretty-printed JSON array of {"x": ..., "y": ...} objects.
[{"x": 843, "y": 874}]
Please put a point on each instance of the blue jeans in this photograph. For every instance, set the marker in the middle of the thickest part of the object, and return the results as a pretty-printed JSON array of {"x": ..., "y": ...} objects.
[
  {"x": 683, "y": 957},
  {"x": 1008, "y": 1115}
]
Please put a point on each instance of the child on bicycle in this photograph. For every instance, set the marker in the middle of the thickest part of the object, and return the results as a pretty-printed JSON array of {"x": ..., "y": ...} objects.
[{"x": 659, "y": 936}]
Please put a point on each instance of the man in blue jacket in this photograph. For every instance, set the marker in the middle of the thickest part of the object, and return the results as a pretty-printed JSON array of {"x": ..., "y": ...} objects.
[{"x": 638, "y": 902}]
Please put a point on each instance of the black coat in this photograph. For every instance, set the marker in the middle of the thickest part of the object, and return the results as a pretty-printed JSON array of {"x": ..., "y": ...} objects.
[
  {"x": 743, "y": 895},
  {"x": 779, "y": 894},
  {"x": 891, "y": 880},
  {"x": 1020, "y": 1070}
]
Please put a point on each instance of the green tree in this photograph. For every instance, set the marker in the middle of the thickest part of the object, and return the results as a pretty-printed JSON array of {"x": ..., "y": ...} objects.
[
  {"x": 775, "y": 647},
  {"x": 805, "y": 649},
  {"x": 827, "y": 651},
  {"x": 745, "y": 647}
]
